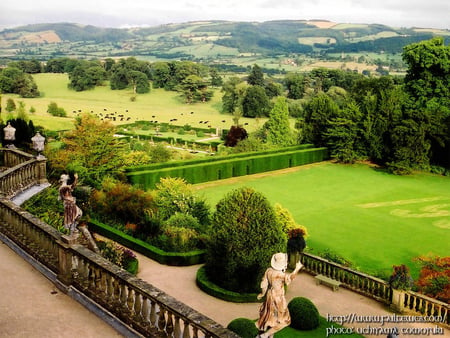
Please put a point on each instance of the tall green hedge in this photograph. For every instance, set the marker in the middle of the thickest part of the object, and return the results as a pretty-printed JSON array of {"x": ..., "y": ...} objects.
[{"x": 211, "y": 169}]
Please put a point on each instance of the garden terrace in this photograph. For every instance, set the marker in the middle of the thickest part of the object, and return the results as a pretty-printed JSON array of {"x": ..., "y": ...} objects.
[{"x": 83, "y": 274}]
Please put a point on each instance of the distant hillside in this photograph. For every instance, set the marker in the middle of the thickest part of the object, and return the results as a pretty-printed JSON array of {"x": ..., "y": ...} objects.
[{"x": 207, "y": 40}]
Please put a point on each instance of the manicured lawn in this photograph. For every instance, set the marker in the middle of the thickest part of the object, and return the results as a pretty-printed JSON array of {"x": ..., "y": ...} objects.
[{"x": 366, "y": 215}]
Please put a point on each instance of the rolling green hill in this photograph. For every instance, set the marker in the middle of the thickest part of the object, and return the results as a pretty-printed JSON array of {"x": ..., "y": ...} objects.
[{"x": 217, "y": 41}]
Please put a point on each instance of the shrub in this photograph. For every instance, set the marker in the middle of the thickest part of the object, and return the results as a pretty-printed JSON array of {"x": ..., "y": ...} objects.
[
  {"x": 181, "y": 220},
  {"x": 177, "y": 239},
  {"x": 54, "y": 110},
  {"x": 400, "y": 278},
  {"x": 244, "y": 235},
  {"x": 176, "y": 195},
  {"x": 119, "y": 255},
  {"x": 304, "y": 314},
  {"x": 434, "y": 277},
  {"x": 120, "y": 202},
  {"x": 243, "y": 327}
]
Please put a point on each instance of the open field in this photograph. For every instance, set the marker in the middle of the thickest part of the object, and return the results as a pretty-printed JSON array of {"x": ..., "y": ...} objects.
[
  {"x": 366, "y": 215},
  {"x": 158, "y": 105}
]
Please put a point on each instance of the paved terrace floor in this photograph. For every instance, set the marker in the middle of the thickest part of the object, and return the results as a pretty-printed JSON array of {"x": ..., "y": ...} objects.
[{"x": 31, "y": 306}]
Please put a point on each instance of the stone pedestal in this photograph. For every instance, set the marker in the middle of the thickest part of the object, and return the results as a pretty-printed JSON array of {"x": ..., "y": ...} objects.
[{"x": 398, "y": 300}]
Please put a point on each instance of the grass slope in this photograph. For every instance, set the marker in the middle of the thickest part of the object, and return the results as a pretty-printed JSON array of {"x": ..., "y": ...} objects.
[
  {"x": 164, "y": 105},
  {"x": 372, "y": 218}
]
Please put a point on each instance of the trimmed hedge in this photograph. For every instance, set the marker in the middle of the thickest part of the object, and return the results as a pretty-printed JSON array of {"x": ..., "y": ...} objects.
[
  {"x": 216, "y": 291},
  {"x": 163, "y": 257},
  {"x": 217, "y": 168},
  {"x": 243, "y": 327},
  {"x": 304, "y": 314}
]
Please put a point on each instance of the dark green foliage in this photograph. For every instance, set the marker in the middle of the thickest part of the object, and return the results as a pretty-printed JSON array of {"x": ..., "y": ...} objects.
[
  {"x": 16, "y": 81},
  {"x": 277, "y": 129},
  {"x": 255, "y": 102},
  {"x": 256, "y": 76},
  {"x": 244, "y": 236},
  {"x": 86, "y": 76},
  {"x": 169, "y": 258},
  {"x": 243, "y": 327},
  {"x": 24, "y": 132},
  {"x": 214, "y": 290},
  {"x": 304, "y": 314}
]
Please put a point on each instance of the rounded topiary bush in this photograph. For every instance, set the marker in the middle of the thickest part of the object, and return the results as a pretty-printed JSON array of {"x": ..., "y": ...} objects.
[
  {"x": 244, "y": 235},
  {"x": 304, "y": 314},
  {"x": 243, "y": 327}
]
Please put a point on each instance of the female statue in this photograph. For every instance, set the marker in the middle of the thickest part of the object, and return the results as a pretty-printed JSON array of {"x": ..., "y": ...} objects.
[{"x": 274, "y": 313}]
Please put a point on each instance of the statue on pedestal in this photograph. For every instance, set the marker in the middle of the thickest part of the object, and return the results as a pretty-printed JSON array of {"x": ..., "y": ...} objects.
[
  {"x": 274, "y": 313},
  {"x": 72, "y": 213}
]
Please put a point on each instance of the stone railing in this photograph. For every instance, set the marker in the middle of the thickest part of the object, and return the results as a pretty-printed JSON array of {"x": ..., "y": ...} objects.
[
  {"x": 418, "y": 304},
  {"x": 365, "y": 284},
  {"x": 139, "y": 305},
  {"x": 23, "y": 171},
  {"x": 403, "y": 302}
]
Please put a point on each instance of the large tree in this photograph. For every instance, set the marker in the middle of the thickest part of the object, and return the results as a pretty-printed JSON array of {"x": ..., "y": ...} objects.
[
  {"x": 91, "y": 150},
  {"x": 427, "y": 81},
  {"x": 255, "y": 102},
  {"x": 277, "y": 128}
]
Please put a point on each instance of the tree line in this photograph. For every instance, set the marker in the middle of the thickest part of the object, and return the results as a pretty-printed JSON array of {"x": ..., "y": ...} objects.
[
  {"x": 399, "y": 122},
  {"x": 402, "y": 123}
]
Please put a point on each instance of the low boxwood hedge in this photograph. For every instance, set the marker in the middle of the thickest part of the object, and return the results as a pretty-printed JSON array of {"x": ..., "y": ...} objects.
[
  {"x": 161, "y": 256},
  {"x": 216, "y": 291}
]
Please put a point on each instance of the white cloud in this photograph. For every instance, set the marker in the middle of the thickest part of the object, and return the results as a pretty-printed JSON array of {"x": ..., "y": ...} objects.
[{"x": 430, "y": 13}]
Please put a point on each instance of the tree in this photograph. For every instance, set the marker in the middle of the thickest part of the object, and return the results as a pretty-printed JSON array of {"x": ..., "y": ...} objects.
[
  {"x": 195, "y": 89},
  {"x": 86, "y": 76},
  {"x": 295, "y": 84},
  {"x": 231, "y": 96},
  {"x": 277, "y": 128},
  {"x": 91, "y": 150},
  {"x": 244, "y": 236},
  {"x": 255, "y": 102},
  {"x": 15, "y": 81},
  {"x": 434, "y": 277},
  {"x": 139, "y": 82},
  {"x": 10, "y": 105},
  {"x": 235, "y": 135},
  {"x": 318, "y": 112},
  {"x": 256, "y": 76},
  {"x": 427, "y": 81},
  {"x": 344, "y": 135}
]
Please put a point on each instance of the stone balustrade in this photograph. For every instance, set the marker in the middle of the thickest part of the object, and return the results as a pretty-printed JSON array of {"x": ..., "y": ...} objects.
[
  {"x": 421, "y": 305},
  {"x": 357, "y": 281},
  {"x": 141, "y": 306},
  {"x": 23, "y": 171}
]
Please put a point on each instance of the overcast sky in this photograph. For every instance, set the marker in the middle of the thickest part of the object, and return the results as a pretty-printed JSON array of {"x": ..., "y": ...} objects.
[{"x": 113, "y": 13}]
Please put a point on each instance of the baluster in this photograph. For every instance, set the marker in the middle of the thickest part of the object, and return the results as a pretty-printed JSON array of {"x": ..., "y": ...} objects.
[
  {"x": 169, "y": 323},
  {"x": 145, "y": 310},
  {"x": 195, "y": 332},
  {"x": 137, "y": 307},
  {"x": 130, "y": 301},
  {"x": 186, "y": 329},
  {"x": 177, "y": 329},
  {"x": 161, "y": 319},
  {"x": 123, "y": 297},
  {"x": 153, "y": 314}
]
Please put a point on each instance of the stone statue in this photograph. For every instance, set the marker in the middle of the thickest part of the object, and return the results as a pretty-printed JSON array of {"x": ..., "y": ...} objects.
[
  {"x": 273, "y": 313},
  {"x": 72, "y": 213}
]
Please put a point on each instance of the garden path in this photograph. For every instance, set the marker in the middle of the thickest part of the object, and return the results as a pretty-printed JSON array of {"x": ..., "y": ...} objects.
[{"x": 179, "y": 282}]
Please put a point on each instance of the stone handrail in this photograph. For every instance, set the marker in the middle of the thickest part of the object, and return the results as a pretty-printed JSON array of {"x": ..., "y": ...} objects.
[
  {"x": 136, "y": 303},
  {"x": 418, "y": 304},
  {"x": 408, "y": 302},
  {"x": 357, "y": 281},
  {"x": 24, "y": 171}
]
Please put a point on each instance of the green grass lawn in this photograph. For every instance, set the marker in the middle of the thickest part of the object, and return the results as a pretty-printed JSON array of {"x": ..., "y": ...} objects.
[
  {"x": 158, "y": 105},
  {"x": 366, "y": 215}
]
